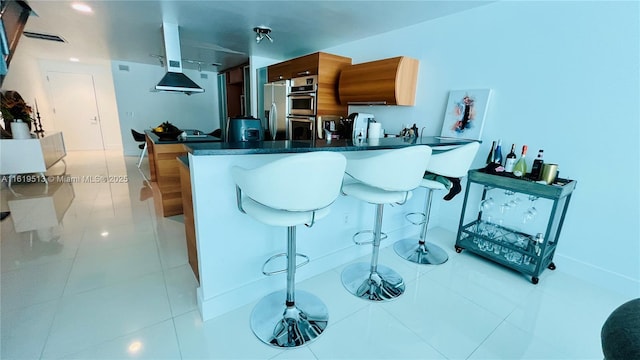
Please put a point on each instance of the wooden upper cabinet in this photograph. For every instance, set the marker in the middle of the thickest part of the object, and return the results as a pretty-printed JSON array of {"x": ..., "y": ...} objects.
[
  {"x": 307, "y": 65},
  {"x": 235, "y": 75},
  {"x": 279, "y": 71},
  {"x": 390, "y": 82},
  {"x": 304, "y": 65}
]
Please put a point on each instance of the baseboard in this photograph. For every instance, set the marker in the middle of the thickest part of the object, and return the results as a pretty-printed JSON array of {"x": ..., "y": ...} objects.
[{"x": 602, "y": 277}]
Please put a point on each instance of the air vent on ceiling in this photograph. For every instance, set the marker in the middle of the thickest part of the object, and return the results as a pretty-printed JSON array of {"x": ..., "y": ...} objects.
[{"x": 42, "y": 36}]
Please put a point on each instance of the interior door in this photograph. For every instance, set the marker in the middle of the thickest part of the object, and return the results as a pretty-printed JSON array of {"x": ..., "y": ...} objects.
[{"x": 75, "y": 110}]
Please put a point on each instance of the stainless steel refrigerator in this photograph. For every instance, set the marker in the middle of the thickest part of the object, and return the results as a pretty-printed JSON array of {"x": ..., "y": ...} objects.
[{"x": 276, "y": 110}]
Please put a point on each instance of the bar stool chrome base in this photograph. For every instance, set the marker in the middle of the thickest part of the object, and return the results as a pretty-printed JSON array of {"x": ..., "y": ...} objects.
[
  {"x": 292, "y": 326},
  {"x": 382, "y": 285},
  {"x": 420, "y": 252}
]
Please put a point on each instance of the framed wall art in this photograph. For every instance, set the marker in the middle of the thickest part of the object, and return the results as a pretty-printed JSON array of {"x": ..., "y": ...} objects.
[{"x": 465, "y": 114}]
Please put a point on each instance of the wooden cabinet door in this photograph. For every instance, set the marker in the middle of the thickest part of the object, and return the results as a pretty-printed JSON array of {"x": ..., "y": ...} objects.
[
  {"x": 235, "y": 75},
  {"x": 304, "y": 65},
  {"x": 279, "y": 71}
]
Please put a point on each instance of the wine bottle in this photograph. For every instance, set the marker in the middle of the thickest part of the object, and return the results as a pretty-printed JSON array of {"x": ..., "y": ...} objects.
[
  {"x": 491, "y": 156},
  {"x": 497, "y": 157},
  {"x": 536, "y": 168},
  {"x": 520, "y": 168},
  {"x": 510, "y": 161}
]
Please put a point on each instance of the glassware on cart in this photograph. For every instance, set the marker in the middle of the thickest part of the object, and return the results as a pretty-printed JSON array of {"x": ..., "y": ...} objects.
[
  {"x": 487, "y": 204},
  {"x": 514, "y": 257},
  {"x": 512, "y": 200},
  {"x": 531, "y": 212}
]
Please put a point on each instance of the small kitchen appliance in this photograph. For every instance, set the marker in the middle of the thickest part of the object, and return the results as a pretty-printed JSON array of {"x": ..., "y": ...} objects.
[
  {"x": 360, "y": 123},
  {"x": 244, "y": 128}
]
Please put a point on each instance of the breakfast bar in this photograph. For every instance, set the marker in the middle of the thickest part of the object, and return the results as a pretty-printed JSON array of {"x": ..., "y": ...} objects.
[
  {"x": 163, "y": 169},
  {"x": 232, "y": 247}
]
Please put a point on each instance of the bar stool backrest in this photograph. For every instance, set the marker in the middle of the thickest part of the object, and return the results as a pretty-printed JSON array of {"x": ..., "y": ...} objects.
[
  {"x": 394, "y": 170},
  {"x": 301, "y": 182},
  {"x": 138, "y": 137},
  {"x": 455, "y": 162}
]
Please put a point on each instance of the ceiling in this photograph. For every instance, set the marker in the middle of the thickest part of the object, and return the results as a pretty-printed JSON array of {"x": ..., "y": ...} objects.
[{"x": 217, "y": 31}]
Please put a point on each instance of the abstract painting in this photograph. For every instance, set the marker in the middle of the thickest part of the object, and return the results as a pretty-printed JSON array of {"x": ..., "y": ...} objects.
[{"x": 465, "y": 114}]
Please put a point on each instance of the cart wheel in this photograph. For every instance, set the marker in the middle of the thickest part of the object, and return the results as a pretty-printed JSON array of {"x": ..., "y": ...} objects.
[
  {"x": 552, "y": 266},
  {"x": 534, "y": 280},
  {"x": 458, "y": 249}
]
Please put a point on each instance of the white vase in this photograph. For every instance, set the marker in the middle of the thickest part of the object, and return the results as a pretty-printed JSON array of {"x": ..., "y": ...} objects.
[{"x": 20, "y": 130}]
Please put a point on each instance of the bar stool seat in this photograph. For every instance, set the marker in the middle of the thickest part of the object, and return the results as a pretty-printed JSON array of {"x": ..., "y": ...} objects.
[
  {"x": 384, "y": 178},
  {"x": 294, "y": 190},
  {"x": 277, "y": 217},
  {"x": 451, "y": 163}
]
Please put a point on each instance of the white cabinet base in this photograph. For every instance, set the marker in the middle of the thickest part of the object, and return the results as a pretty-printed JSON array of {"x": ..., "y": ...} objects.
[{"x": 28, "y": 156}]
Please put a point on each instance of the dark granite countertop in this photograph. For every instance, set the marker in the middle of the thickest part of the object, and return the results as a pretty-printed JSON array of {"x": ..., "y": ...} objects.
[
  {"x": 189, "y": 139},
  {"x": 299, "y": 146}
]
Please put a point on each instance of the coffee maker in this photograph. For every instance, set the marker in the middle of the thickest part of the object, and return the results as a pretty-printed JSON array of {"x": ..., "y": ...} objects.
[{"x": 357, "y": 124}]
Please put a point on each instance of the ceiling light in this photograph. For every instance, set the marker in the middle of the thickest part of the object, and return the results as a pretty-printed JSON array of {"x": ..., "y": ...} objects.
[
  {"x": 82, "y": 7},
  {"x": 74, "y": 59},
  {"x": 262, "y": 32}
]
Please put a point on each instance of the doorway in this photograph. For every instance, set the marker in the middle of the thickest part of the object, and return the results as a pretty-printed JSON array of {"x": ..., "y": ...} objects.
[{"x": 75, "y": 110}]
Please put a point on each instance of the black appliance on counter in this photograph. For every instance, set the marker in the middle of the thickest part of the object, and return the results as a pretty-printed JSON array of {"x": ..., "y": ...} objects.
[
  {"x": 345, "y": 128},
  {"x": 244, "y": 128}
]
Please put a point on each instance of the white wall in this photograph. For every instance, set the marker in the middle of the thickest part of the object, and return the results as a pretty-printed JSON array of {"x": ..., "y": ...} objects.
[
  {"x": 28, "y": 76},
  {"x": 141, "y": 107},
  {"x": 24, "y": 77},
  {"x": 565, "y": 79}
]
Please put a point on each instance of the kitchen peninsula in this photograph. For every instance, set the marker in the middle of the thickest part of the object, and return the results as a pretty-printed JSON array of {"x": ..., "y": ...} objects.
[
  {"x": 164, "y": 169},
  {"x": 232, "y": 247}
]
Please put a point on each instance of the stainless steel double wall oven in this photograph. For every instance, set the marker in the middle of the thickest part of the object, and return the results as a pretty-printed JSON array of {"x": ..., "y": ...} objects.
[{"x": 302, "y": 106}]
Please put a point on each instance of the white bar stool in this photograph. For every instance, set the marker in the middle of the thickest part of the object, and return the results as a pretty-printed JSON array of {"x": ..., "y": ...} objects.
[
  {"x": 451, "y": 163},
  {"x": 384, "y": 178},
  {"x": 291, "y": 191}
]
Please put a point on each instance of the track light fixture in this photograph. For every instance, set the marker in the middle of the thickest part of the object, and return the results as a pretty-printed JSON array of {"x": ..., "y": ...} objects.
[{"x": 262, "y": 32}]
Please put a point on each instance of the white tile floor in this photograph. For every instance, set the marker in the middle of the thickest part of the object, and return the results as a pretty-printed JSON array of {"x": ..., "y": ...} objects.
[{"x": 116, "y": 284}]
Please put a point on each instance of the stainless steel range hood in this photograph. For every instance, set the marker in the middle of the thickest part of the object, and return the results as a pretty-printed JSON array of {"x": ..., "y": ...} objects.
[{"x": 174, "y": 79}]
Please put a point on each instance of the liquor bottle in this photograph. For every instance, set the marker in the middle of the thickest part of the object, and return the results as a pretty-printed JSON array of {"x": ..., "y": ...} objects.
[
  {"x": 497, "y": 156},
  {"x": 491, "y": 156},
  {"x": 536, "y": 168},
  {"x": 510, "y": 161},
  {"x": 520, "y": 168}
]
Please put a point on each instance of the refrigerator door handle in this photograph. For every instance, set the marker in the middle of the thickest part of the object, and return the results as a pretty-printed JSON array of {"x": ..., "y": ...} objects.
[
  {"x": 287, "y": 124},
  {"x": 273, "y": 116}
]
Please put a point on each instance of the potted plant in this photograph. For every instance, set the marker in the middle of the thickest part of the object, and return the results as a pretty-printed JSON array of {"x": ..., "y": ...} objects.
[{"x": 14, "y": 108}]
